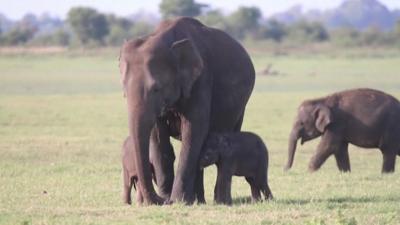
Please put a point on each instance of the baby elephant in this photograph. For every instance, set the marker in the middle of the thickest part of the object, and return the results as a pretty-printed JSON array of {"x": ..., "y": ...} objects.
[
  {"x": 129, "y": 173},
  {"x": 239, "y": 154},
  {"x": 363, "y": 117},
  {"x": 130, "y": 177}
]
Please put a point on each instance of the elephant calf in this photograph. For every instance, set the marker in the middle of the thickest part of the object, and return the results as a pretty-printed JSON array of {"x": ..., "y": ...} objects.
[
  {"x": 130, "y": 177},
  {"x": 129, "y": 174},
  {"x": 239, "y": 154},
  {"x": 364, "y": 117}
]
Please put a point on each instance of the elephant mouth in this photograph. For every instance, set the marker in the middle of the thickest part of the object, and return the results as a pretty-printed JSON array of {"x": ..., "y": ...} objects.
[{"x": 173, "y": 120}]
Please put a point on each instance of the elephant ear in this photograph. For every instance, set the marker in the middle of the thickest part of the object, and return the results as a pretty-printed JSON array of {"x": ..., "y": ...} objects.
[
  {"x": 323, "y": 117},
  {"x": 189, "y": 64}
]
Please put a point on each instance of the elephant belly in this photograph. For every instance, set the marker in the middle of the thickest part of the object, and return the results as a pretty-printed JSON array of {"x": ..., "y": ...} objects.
[
  {"x": 365, "y": 139},
  {"x": 245, "y": 168}
]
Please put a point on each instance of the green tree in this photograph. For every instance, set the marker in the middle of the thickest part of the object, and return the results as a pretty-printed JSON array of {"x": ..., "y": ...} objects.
[
  {"x": 88, "y": 24},
  {"x": 345, "y": 36},
  {"x": 214, "y": 18},
  {"x": 244, "y": 21},
  {"x": 174, "y": 8},
  {"x": 141, "y": 28},
  {"x": 119, "y": 30},
  {"x": 57, "y": 38},
  {"x": 273, "y": 30},
  {"x": 304, "y": 31},
  {"x": 18, "y": 35}
]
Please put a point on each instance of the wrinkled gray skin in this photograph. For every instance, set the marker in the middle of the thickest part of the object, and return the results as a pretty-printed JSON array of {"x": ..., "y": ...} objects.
[
  {"x": 364, "y": 117},
  {"x": 183, "y": 81},
  {"x": 130, "y": 177},
  {"x": 239, "y": 154}
]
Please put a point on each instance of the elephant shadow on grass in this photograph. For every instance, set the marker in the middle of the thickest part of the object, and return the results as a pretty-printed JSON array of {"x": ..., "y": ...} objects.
[{"x": 241, "y": 200}]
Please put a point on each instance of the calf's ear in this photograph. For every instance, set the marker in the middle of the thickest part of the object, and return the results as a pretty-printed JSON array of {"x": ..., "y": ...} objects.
[{"x": 323, "y": 117}]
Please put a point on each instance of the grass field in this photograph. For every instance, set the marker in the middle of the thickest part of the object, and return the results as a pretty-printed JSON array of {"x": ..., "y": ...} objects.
[{"x": 63, "y": 119}]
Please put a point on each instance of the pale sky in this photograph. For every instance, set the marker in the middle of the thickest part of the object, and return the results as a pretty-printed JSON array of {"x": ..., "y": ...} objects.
[{"x": 15, "y": 9}]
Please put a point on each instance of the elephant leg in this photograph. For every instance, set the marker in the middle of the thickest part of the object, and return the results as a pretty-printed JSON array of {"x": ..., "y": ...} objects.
[
  {"x": 342, "y": 158},
  {"x": 224, "y": 182},
  {"x": 255, "y": 192},
  {"x": 250, "y": 181},
  {"x": 194, "y": 129},
  {"x": 162, "y": 158},
  {"x": 199, "y": 186},
  {"x": 267, "y": 192},
  {"x": 328, "y": 145},
  {"x": 389, "y": 161},
  {"x": 126, "y": 197}
]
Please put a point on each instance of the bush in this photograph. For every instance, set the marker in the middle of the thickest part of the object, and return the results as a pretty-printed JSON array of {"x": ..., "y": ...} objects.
[{"x": 17, "y": 36}]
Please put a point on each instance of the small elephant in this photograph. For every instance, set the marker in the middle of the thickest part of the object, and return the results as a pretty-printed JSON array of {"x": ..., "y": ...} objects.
[
  {"x": 129, "y": 174},
  {"x": 130, "y": 177},
  {"x": 239, "y": 154},
  {"x": 364, "y": 117}
]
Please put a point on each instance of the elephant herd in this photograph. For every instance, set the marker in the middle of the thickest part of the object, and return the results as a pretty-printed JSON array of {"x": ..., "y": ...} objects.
[{"x": 192, "y": 82}]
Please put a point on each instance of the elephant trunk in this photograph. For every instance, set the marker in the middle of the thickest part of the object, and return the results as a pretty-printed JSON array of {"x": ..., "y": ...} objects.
[
  {"x": 294, "y": 136},
  {"x": 141, "y": 122}
]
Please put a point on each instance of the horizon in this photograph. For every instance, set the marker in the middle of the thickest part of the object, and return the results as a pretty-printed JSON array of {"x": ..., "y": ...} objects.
[{"x": 15, "y": 10}]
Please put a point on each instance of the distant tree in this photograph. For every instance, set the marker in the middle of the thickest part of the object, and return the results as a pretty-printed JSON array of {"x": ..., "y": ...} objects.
[
  {"x": 372, "y": 36},
  {"x": 18, "y": 35},
  {"x": 214, "y": 18},
  {"x": 57, "y": 38},
  {"x": 308, "y": 32},
  {"x": 244, "y": 21},
  {"x": 119, "y": 30},
  {"x": 88, "y": 24},
  {"x": 61, "y": 37},
  {"x": 141, "y": 28},
  {"x": 273, "y": 30},
  {"x": 345, "y": 36},
  {"x": 174, "y": 8}
]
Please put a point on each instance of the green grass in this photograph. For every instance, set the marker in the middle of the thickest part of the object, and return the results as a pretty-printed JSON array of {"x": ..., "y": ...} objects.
[{"x": 63, "y": 119}]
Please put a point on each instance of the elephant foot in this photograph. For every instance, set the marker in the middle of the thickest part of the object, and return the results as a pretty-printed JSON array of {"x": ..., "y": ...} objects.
[
  {"x": 313, "y": 168},
  {"x": 154, "y": 200},
  {"x": 127, "y": 202},
  {"x": 187, "y": 199},
  {"x": 201, "y": 201}
]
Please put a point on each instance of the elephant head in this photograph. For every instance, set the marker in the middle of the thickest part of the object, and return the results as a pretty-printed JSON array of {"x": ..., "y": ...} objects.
[
  {"x": 155, "y": 75},
  {"x": 209, "y": 157},
  {"x": 213, "y": 148},
  {"x": 311, "y": 122}
]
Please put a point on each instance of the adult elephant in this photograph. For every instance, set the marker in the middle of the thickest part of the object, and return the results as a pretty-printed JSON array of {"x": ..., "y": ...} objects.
[
  {"x": 197, "y": 74},
  {"x": 364, "y": 117}
]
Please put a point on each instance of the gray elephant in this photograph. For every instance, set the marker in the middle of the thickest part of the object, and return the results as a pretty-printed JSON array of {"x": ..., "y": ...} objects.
[
  {"x": 240, "y": 154},
  {"x": 364, "y": 117},
  {"x": 184, "y": 80}
]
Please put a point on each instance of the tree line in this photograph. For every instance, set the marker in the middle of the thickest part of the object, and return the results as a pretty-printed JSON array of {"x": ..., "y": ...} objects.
[{"x": 86, "y": 26}]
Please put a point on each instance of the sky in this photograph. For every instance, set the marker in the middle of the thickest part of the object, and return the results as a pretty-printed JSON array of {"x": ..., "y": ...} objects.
[{"x": 15, "y": 9}]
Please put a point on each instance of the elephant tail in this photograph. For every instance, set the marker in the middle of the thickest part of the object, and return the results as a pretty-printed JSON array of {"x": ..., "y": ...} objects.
[
  {"x": 134, "y": 180},
  {"x": 267, "y": 193}
]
